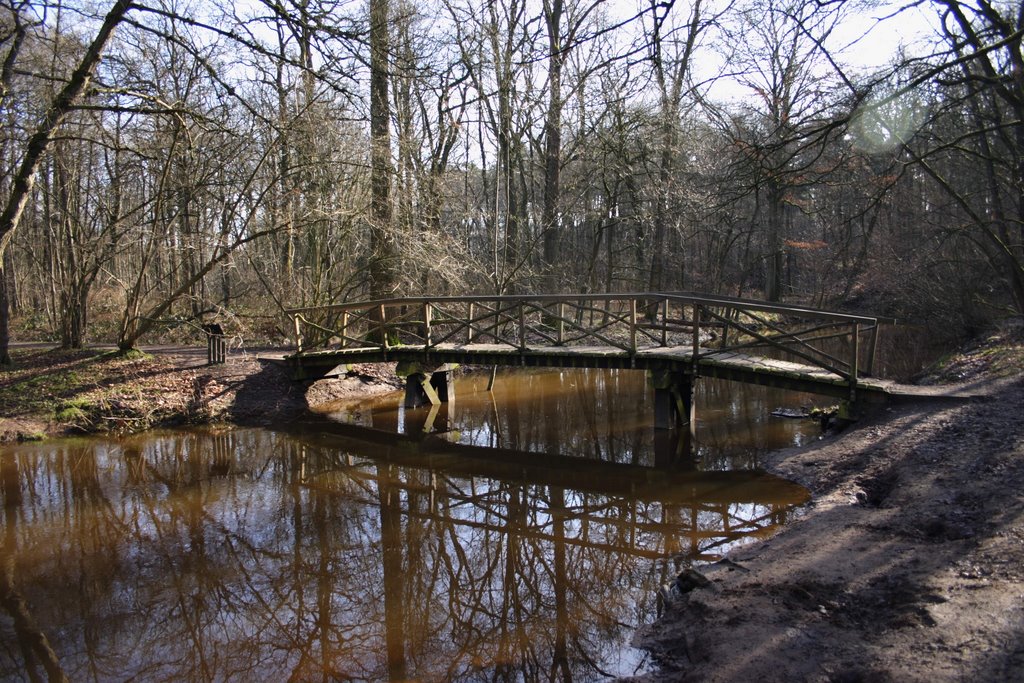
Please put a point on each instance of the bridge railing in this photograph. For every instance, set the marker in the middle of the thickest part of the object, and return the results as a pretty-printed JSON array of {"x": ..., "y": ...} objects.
[{"x": 708, "y": 326}]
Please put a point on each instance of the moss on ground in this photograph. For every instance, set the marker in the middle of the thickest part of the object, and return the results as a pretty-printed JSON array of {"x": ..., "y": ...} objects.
[
  {"x": 73, "y": 390},
  {"x": 40, "y": 380},
  {"x": 999, "y": 354},
  {"x": 75, "y": 411}
]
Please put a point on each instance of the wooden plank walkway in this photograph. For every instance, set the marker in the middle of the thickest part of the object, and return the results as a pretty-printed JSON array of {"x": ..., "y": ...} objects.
[{"x": 730, "y": 365}]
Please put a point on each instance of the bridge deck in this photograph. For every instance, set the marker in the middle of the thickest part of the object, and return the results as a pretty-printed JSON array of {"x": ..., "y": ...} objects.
[{"x": 731, "y": 365}]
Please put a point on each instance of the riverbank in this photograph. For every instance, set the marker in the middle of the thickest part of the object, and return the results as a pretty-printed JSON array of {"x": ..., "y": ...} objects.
[
  {"x": 907, "y": 566},
  {"x": 52, "y": 393}
]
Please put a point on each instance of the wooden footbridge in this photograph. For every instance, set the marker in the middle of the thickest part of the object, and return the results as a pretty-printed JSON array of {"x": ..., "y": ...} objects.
[{"x": 676, "y": 337}]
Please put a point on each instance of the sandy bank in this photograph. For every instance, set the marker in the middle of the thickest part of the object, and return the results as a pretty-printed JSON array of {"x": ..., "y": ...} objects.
[{"x": 907, "y": 566}]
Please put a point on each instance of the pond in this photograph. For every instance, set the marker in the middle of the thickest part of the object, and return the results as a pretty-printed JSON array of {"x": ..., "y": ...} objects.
[{"x": 518, "y": 534}]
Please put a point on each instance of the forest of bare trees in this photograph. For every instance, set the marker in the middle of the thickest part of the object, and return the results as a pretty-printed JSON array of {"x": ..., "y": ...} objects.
[{"x": 168, "y": 163}]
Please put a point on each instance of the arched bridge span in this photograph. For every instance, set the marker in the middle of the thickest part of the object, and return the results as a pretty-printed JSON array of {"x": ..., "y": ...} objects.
[{"x": 675, "y": 336}]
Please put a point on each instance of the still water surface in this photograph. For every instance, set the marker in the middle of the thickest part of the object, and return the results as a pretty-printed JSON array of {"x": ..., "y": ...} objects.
[{"x": 520, "y": 534}]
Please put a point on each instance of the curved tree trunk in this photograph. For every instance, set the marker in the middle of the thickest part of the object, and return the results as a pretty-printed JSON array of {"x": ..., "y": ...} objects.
[{"x": 24, "y": 178}]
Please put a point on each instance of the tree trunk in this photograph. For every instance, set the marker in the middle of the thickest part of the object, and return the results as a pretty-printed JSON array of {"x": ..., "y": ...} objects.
[
  {"x": 5, "y": 322},
  {"x": 773, "y": 246},
  {"x": 383, "y": 267},
  {"x": 553, "y": 149},
  {"x": 75, "y": 315}
]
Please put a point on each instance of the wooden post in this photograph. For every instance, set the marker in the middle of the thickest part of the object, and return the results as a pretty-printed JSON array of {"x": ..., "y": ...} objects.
[
  {"x": 727, "y": 315},
  {"x": 872, "y": 350},
  {"x": 673, "y": 399},
  {"x": 854, "y": 361},
  {"x": 682, "y": 392},
  {"x": 419, "y": 391},
  {"x": 522, "y": 325},
  {"x": 426, "y": 323},
  {"x": 561, "y": 323},
  {"x": 632, "y": 325},
  {"x": 664, "y": 409},
  {"x": 422, "y": 388},
  {"x": 664, "y": 321},
  {"x": 469, "y": 325},
  {"x": 383, "y": 330},
  {"x": 298, "y": 333},
  {"x": 696, "y": 334},
  {"x": 344, "y": 329},
  {"x": 498, "y": 324},
  {"x": 443, "y": 383}
]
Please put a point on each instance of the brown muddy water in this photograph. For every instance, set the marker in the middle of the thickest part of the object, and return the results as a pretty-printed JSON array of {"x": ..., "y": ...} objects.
[{"x": 520, "y": 534}]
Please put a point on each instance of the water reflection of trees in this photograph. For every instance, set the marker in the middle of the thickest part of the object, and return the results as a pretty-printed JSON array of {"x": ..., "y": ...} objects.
[{"x": 248, "y": 554}]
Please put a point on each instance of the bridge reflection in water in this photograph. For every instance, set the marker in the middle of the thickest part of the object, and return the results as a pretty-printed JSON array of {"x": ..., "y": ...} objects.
[{"x": 332, "y": 554}]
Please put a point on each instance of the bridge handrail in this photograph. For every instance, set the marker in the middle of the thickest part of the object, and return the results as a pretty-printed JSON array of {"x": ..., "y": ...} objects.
[
  {"x": 615, "y": 320},
  {"x": 689, "y": 297}
]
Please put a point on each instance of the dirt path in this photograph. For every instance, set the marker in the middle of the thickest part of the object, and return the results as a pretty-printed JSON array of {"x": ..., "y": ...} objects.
[{"x": 908, "y": 566}]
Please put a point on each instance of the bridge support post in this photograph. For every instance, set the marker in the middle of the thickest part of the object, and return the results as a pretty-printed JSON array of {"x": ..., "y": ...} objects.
[
  {"x": 850, "y": 411},
  {"x": 443, "y": 384},
  {"x": 673, "y": 399},
  {"x": 433, "y": 422},
  {"x": 424, "y": 387},
  {"x": 419, "y": 391},
  {"x": 673, "y": 449}
]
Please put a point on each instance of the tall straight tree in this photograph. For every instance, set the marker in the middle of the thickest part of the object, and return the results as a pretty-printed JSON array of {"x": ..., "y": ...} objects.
[
  {"x": 430, "y": 87},
  {"x": 564, "y": 23},
  {"x": 671, "y": 53},
  {"x": 553, "y": 10},
  {"x": 383, "y": 244},
  {"x": 497, "y": 43}
]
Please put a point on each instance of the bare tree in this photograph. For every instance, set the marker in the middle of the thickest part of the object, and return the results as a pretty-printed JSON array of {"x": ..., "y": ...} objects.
[
  {"x": 986, "y": 78},
  {"x": 779, "y": 49},
  {"x": 564, "y": 24},
  {"x": 32, "y": 155},
  {"x": 671, "y": 52},
  {"x": 497, "y": 45}
]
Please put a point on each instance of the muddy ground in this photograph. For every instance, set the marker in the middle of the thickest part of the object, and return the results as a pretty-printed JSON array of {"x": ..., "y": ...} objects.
[{"x": 907, "y": 566}]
